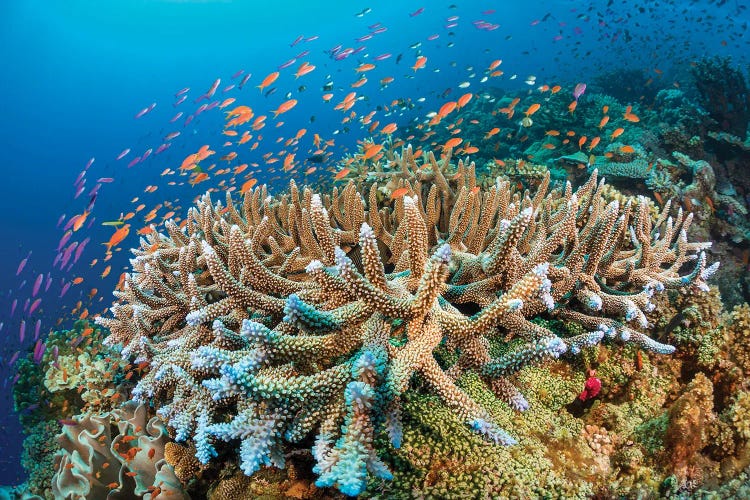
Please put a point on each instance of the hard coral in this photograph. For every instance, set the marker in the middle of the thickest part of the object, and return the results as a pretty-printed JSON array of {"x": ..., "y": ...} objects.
[{"x": 311, "y": 314}]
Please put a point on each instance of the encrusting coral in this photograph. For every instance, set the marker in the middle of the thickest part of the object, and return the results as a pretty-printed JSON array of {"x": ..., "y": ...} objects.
[{"x": 311, "y": 314}]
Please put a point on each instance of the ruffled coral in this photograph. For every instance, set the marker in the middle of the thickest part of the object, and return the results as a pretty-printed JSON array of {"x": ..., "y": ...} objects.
[{"x": 113, "y": 455}]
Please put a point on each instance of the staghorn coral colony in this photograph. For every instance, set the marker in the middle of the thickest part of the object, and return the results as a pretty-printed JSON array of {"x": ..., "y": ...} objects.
[{"x": 309, "y": 321}]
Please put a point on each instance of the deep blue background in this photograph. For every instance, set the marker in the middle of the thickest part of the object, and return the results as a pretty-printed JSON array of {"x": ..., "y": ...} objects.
[{"x": 76, "y": 72}]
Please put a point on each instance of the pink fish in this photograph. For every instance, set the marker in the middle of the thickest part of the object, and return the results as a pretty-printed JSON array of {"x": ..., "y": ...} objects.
[
  {"x": 364, "y": 38},
  {"x": 212, "y": 105},
  {"x": 171, "y": 136},
  {"x": 105, "y": 180},
  {"x": 37, "y": 326},
  {"x": 311, "y": 38},
  {"x": 188, "y": 120},
  {"x": 433, "y": 37},
  {"x": 182, "y": 91},
  {"x": 227, "y": 88},
  {"x": 297, "y": 40},
  {"x": 142, "y": 112},
  {"x": 302, "y": 54},
  {"x": 213, "y": 88},
  {"x": 417, "y": 12},
  {"x": 162, "y": 148},
  {"x": 80, "y": 191},
  {"x": 80, "y": 249},
  {"x": 13, "y": 307},
  {"x": 79, "y": 178},
  {"x": 579, "y": 90},
  {"x": 34, "y": 305},
  {"x": 237, "y": 74},
  {"x": 245, "y": 79},
  {"x": 64, "y": 239},
  {"x": 13, "y": 358},
  {"x": 48, "y": 283},
  {"x": 39, "y": 351},
  {"x": 179, "y": 101},
  {"x": 123, "y": 154},
  {"x": 382, "y": 57},
  {"x": 22, "y": 331},
  {"x": 91, "y": 160},
  {"x": 288, "y": 63},
  {"x": 37, "y": 285},
  {"x": 451, "y": 19},
  {"x": 146, "y": 155},
  {"x": 176, "y": 117},
  {"x": 23, "y": 262},
  {"x": 134, "y": 161},
  {"x": 377, "y": 31},
  {"x": 60, "y": 220},
  {"x": 65, "y": 288}
]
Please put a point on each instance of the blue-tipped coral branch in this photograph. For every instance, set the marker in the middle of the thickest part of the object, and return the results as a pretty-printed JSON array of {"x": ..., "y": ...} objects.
[{"x": 307, "y": 315}]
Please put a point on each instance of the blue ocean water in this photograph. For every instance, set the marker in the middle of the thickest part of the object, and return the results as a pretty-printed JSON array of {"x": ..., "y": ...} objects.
[{"x": 77, "y": 72}]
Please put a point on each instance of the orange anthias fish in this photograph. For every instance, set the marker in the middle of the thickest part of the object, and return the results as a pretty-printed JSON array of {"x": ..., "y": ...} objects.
[
  {"x": 80, "y": 220},
  {"x": 389, "y": 129},
  {"x": 464, "y": 99},
  {"x": 399, "y": 193},
  {"x": 364, "y": 67},
  {"x": 419, "y": 63},
  {"x": 372, "y": 150},
  {"x": 284, "y": 107},
  {"x": 268, "y": 80},
  {"x": 492, "y": 132},
  {"x": 452, "y": 143},
  {"x": 304, "y": 69},
  {"x": 617, "y": 132},
  {"x": 117, "y": 237},
  {"x": 447, "y": 108},
  {"x": 248, "y": 185},
  {"x": 343, "y": 173},
  {"x": 533, "y": 109}
]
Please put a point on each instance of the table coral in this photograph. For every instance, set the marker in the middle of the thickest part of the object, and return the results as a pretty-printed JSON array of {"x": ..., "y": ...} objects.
[{"x": 313, "y": 313}]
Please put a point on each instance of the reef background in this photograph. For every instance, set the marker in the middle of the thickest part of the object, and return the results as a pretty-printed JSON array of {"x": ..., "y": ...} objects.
[{"x": 78, "y": 74}]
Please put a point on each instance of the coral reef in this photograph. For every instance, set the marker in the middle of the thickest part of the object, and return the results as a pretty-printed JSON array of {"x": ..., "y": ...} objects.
[
  {"x": 114, "y": 455},
  {"x": 310, "y": 316},
  {"x": 724, "y": 93}
]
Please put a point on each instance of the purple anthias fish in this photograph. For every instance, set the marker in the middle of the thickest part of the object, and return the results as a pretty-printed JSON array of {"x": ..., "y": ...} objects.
[
  {"x": 34, "y": 305},
  {"x": 37, "y": 285},
  {"x": 579, "y": 90}
]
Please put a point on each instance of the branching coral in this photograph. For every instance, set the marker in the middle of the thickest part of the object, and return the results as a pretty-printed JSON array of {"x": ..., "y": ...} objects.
[{"x": 311, "y": 314}]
